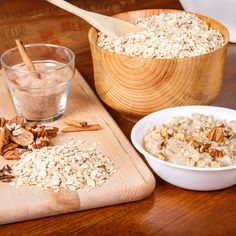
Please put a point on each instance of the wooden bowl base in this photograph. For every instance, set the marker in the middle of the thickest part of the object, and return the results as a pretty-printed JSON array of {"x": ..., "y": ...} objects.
[{"x": 132, "y": 118}]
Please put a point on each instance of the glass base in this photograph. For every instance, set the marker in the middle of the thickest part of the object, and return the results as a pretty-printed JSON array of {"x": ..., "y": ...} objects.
[{"x": 47, "y": 120}]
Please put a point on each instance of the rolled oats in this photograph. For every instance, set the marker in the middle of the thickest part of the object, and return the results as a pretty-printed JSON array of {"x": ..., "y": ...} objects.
[
  {"x": 73, "y": 166},
  {"x": 168, "y": 35},
  {"x": 199, "y": 141}
]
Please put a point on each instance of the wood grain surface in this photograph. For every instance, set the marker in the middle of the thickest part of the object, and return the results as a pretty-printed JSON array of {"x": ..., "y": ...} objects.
[
  {"x": 136, "y": 87},
  {"x": 132, "y": 181},
  {"x": 110, "y": 26},
  {"x": 169, "y": 210}
]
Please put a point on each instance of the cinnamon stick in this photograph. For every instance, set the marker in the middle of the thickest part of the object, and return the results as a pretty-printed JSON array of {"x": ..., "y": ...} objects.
[
  {"x": 26, "y": 59},
  {"x": 78, "y": 129},
  {"x": 75, "y": 123}
]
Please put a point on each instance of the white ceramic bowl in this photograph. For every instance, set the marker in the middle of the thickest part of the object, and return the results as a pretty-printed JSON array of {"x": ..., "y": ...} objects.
[
  {"x": 194, "y": 178},
  {"x": 221, "y": 10}
]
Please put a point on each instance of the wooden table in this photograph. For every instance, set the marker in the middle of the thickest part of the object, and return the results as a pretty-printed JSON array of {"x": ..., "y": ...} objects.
[{"x": 169, "y": 210}]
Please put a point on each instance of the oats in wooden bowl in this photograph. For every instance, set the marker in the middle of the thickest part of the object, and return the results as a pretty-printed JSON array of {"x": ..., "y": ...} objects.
[{"x": 178, "y": 61}]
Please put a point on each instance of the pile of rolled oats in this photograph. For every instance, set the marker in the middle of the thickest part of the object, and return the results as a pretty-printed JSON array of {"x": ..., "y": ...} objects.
[
  {"x": 73, "y": 166},
  {"x": 197, "y": 141},
  {"x": 168, "y": 35}
]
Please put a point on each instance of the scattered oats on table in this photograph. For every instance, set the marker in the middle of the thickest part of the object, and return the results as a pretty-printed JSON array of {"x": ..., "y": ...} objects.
[
  {"x": 168, "y": 35},
  {"x": 73, "y": 166}
]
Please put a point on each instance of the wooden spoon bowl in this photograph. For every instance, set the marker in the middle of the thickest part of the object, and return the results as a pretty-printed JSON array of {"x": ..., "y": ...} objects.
[{"x": 136, "y": 86}]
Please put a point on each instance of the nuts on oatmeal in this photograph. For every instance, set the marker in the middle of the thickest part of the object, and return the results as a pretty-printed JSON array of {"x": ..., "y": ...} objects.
[
  {"x": 199, "y": 141},
  {"x": 72, "y": 165},
  {"x": 216, "y": 134},
  {"x": 167, "y": 35}
]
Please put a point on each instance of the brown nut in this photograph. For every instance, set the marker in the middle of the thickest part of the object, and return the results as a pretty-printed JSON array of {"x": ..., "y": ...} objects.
[
  {"x": 41, "y": 142},
  {"x": 24, "y": 137},
  {"x": 200, "y": 146},
  {"x": 15, "y": 123},
  {"x": 216, "y": 134},
  {"x": 8, "y": 147},
  {"x": 3, "y": 121},
  {"x": 216, "y": 153},
  {"x": 51, "y": 131},
  {"x": 40, "y": 132},
  {"x": 13, "y": 154},
  {"x": 30, "y": 125},
  {"x": 162, "y": 156}
]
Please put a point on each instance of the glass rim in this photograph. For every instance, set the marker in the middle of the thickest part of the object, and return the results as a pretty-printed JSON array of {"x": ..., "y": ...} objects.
[{"x": 72, "y": 59}]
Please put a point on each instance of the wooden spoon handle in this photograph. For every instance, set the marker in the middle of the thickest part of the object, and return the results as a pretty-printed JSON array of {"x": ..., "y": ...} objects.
[{"x": 110, "y": 26}]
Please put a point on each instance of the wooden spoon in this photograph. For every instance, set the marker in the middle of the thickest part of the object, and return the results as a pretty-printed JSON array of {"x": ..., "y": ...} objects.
[{"x": 110, "y": 26}]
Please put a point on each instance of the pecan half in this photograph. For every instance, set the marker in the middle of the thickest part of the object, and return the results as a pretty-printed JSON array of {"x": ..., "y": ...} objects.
[
  {"x": 30, "y": 126},
  {"x": 8, "y": 147},
  {"x": 44, "y": 131},
  {"x": 23, "y": 137},
  {"x": 13, "y": 154},
  {"x": 216, "y": 134},
  {"x": 200, "y": 146},
  {"x": 15, "y": 123},
  {"x": 163, "y": 144},
  {"x": 162, "y": 156},
  {"x": 51, "y": 131},
  {"x": 39, "y": 131},
  {"x": 216, "y": 153},
  {"x": 41, "y": 142},
  {"x": 3, "y": 121},
  {"x": 165, "y": 134}
]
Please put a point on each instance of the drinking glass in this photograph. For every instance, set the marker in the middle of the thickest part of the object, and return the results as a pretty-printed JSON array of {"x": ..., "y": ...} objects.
[{"x": 42, "y": 97}]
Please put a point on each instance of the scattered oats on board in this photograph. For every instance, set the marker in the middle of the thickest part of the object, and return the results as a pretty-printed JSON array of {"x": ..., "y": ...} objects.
[
  {"x": 168, "y": 35},
  {"x": 74, "y": 166}
]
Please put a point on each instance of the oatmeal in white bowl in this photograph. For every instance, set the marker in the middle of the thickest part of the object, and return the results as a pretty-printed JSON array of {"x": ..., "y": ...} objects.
[{"x": 193, "y": 147}]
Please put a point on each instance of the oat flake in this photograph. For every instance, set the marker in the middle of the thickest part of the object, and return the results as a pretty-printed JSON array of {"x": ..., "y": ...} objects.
[
  {"x": 168, "y": 35},
  {"x": 73, "y": 166},
  {"x": 175, "y": 141}
]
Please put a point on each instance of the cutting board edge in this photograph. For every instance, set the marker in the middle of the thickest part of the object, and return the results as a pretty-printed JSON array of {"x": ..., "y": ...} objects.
[
  {"x": 142, "y": 197},
  {"x": 144, "y": 188}
]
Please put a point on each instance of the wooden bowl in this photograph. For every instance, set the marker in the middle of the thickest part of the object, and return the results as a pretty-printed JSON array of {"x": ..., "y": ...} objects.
[{"x": 136, "y": 86}]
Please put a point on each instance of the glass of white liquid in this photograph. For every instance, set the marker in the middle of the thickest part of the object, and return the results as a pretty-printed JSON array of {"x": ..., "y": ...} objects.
[{"x": 41, "y": 98}]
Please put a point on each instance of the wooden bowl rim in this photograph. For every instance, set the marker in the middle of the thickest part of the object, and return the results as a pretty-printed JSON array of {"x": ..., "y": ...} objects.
[{"x": 93, "y": 35}]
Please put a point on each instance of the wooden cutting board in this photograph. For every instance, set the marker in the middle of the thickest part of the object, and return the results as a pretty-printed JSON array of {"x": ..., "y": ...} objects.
[{"x": 133, "y": 180}]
